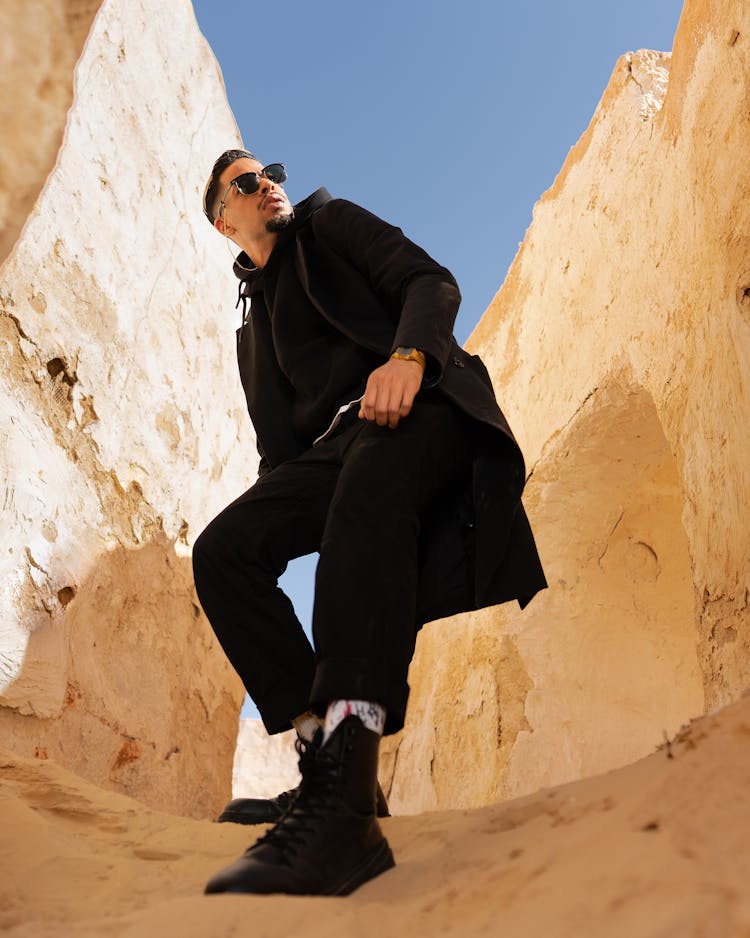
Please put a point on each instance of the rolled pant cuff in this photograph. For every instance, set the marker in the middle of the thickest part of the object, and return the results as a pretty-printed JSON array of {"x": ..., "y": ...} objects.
[
  {"x": 357, "y": 679},
  {"x": 279, "y": 707}
]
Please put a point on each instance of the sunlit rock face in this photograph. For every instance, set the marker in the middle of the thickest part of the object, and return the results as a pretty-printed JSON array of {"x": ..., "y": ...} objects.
[
  {"x": 123, "y": 429},
  {"x": 264, "y": 765},
  {"x": 619, "y": 346},
  {"x": 42, "y": 41}
]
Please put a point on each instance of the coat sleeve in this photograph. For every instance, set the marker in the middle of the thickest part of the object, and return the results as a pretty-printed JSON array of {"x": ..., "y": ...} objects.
[{"x": 400, "y": 272}]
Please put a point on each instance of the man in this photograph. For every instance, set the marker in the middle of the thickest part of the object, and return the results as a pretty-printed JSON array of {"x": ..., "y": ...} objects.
[{"x": 381, "y": 445}]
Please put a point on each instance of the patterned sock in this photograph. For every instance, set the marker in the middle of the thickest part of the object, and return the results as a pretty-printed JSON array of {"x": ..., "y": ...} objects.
[
  {"x": 370, "y": 713},
  {"x": 307, "y": 725}
]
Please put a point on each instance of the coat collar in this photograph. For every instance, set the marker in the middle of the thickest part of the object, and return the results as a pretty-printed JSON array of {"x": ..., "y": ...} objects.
[{"x": 245, "y": 269}]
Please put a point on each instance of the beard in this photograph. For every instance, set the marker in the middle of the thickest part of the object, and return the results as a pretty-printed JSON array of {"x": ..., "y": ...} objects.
[{"x": 280, "y": 222}]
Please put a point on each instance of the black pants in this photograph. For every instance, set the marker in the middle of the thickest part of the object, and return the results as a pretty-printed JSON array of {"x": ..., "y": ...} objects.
[{"x": 357, "y": 497}]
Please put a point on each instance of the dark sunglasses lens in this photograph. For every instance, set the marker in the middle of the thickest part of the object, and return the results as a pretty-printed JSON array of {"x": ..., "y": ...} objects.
[
  {"x": 276, "y": 172},
  {"x": 247, "y": 183}
]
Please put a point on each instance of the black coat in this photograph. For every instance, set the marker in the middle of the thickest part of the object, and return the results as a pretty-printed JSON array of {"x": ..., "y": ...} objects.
[{"x": 382, "y": 291}]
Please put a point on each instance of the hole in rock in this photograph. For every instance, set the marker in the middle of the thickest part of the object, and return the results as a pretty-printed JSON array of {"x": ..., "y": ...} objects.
[
  {"x": 65, "y": 595},
  {"x": 56, "y": 367}
]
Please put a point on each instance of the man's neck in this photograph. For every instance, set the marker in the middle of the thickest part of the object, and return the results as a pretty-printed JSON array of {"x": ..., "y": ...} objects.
[{"x": 259, "y": 249}]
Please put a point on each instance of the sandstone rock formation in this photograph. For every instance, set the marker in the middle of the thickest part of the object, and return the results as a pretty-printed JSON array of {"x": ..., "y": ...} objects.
[
  {"x": 123, "y": 429},
  {"x": 42, "y": 41},
  {"x": 659, "y": 848},
  {"x": 618, "y": 345},
  {"x": 263, "y": 765}
]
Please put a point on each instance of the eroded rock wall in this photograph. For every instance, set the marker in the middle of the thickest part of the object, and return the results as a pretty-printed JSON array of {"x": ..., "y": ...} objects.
[
  {"x": 619, "y": 346},
  {"x": 42, "y": 41},
  {"x": 123, "y": 430}
]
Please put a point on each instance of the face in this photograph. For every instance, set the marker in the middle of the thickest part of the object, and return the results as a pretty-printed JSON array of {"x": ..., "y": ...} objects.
[{"x": 245, "y": 218}]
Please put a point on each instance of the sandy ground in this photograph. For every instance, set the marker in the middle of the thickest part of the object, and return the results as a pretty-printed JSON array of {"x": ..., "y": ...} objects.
[{"x": 658, "y": 848}]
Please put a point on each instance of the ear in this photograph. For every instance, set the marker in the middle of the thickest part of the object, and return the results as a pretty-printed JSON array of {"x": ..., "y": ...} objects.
[{"x": 222, "y": 227}]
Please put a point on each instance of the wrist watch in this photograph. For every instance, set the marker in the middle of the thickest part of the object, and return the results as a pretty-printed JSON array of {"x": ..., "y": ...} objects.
[{"x": 406, "y": 353}]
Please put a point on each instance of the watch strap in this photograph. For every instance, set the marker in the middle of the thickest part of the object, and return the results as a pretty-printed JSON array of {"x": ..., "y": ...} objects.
[{"x": 408, "y": 354}]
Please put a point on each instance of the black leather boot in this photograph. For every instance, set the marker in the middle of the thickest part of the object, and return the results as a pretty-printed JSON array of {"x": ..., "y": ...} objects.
[
  {"x": 270, "y": 810},
  {"x": 329, "y": 841}
]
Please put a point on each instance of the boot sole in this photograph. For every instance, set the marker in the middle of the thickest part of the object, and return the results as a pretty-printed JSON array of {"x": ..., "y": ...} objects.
[
  {"x": 248, "y": 820},
  {"x": 230, "y": 818},
  {"x": 380, "y": 860}
]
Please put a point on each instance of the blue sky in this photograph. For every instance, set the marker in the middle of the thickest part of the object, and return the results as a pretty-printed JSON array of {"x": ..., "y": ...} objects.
[{"x": 449, "y": 120}]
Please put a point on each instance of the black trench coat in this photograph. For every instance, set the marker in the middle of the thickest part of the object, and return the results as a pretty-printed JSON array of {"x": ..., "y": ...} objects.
[{"x": 382, "y": 291}]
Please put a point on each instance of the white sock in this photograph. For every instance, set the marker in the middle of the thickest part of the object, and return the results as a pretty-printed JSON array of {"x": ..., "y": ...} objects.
[
  {"x": 307, "y": 725},
  {"x": 370, "y": 713}
]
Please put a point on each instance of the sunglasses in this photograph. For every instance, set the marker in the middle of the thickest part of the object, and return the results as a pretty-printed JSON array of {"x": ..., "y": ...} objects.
[{"x": 249, "y": 183}]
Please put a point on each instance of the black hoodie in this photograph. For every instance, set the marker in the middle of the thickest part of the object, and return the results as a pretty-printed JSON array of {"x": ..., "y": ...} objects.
[{"x": 324, "y": 368}]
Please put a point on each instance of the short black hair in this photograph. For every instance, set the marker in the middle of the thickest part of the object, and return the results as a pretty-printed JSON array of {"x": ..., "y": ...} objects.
[{"x": 211, "y": 192}]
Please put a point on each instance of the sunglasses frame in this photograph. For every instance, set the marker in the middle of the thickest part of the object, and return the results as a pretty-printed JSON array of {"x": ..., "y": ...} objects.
[{"x": 237, "y": 185}]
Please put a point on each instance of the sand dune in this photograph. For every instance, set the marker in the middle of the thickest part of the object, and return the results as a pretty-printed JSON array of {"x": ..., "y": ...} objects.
[{"x": 658, "y": 848}]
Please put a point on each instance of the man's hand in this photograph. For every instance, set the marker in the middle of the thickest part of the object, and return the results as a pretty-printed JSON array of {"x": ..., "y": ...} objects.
[{"x": 390, "y": 392}]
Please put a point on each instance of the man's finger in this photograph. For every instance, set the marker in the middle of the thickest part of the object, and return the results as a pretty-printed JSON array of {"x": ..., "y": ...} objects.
[
  {"x": 367, "y": 406},
  {"x": 382, "y": 405},
  {"x": 394, "y": 410},
  {"x": 407, "y": 402},
  {"x": 398, "y": 392}
]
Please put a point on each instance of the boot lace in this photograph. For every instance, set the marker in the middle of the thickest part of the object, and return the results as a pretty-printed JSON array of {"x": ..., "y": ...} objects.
[
  {"x": 306, "y": 750},
  {"x": 320, "y": 772}
]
